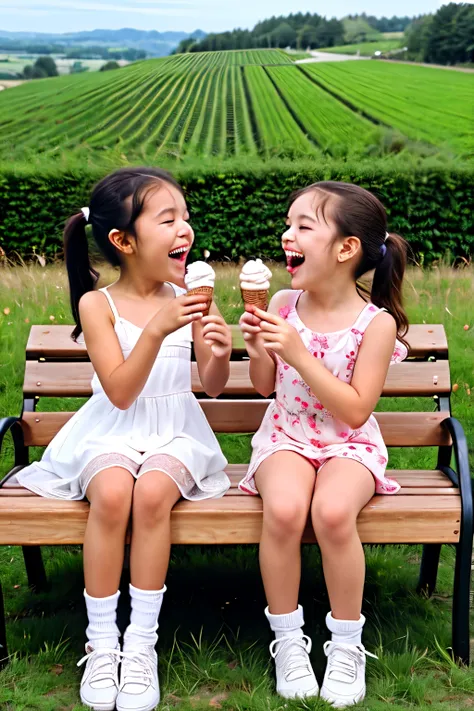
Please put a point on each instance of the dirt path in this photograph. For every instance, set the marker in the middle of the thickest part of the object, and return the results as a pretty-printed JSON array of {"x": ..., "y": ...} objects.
[
  {"x": 9, "y": 83},
  {"x": 328, "y": 57}
]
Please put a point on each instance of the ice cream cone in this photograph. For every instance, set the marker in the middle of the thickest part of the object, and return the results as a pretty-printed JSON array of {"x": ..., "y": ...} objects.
[
  {"x": 207, "y": 292},
  {"x": 257, "y": 298}
]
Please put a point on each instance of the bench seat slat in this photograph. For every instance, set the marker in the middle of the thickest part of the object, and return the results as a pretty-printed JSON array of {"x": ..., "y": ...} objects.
[
  {"x": 55, "y": 342},
  {"x": 409, "y": 479},
  {"x": 73, "y": 379},
  {"x": 234, "y": 519},
  {"x": 399, "y": 429}
]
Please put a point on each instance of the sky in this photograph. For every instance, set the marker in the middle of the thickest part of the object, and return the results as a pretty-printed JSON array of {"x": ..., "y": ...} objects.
[{"x": 185, "y": 15}]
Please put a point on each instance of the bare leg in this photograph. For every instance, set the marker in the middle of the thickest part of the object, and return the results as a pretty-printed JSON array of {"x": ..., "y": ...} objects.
[
  {"x": 110, "y": 496},
  {"x": 285, "y": 482},
  {"x": 343, "y": 488},
  {"x": 154, "y": 496}
]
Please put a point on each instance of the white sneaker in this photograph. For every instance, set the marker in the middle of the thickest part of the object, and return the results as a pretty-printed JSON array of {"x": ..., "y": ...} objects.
[
  {"x": 139, "y": 689},
  {"x": 344, "y": 680},
  {"x": 294, "y": 674},
  {"x": 100, "y": 685}
]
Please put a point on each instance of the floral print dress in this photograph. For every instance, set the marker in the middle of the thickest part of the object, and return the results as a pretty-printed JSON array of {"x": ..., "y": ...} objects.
[{"x": 297, "y": 422}]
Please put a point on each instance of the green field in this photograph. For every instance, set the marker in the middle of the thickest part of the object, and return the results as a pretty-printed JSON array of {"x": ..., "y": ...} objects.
[
  {"x": 225, "y": 104},
  {"x": 366, "y": 49},
  {"x": 417, "y": 101}
]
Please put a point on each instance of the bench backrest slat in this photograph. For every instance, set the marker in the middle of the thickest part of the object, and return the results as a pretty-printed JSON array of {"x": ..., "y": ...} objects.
[
  {"x": 73, "y": 379},
  {"x": 55, "y": 342}
]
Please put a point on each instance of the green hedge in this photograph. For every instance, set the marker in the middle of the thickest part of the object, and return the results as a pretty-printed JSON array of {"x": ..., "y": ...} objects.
[{"x": 241, "y": 211}]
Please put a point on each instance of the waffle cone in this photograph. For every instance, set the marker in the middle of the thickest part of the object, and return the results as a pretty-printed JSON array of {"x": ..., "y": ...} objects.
[
  {"x": 207, "y": 292},
  {"x": 256, "y": 298}
]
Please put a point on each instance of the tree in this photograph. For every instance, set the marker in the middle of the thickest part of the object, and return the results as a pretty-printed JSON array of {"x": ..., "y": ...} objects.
[
  {"x": 451, "y": 40},
  {"x": 284, "y": 36},
  {"x": 109, "y": 65},
  {"x": 417, "y": 35},
  {"x": 31, "y": 71},
  {"x": 329, "y": 33},
  {"x": 307, "y": 37},
  {"x": 358, "y": 30},
  {"x": 78, "y": 68},
  {"x": 48, "y": 65}
]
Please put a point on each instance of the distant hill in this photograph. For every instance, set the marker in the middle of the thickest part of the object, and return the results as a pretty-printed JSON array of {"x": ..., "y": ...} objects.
[{"x": 153, "y": 42}]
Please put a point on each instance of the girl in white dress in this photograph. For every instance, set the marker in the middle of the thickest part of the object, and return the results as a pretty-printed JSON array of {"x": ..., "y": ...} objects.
[{"x": 142, "y": 441}]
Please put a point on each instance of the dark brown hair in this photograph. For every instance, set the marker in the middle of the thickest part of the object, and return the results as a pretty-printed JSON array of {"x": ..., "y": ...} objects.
[
  {"x": 356, "y": 212},
  {"x": 109, "y": 208}
]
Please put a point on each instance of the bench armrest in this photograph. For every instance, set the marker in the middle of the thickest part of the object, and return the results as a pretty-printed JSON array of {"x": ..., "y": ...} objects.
[
  {"x": 12, "y": 424},
  {"x": 461, "y": 456}
]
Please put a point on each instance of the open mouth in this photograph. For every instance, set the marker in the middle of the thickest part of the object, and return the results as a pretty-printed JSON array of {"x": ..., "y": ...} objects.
[
  {"x": 293, "y": 260},
  {"x": 179, "y": 254}
]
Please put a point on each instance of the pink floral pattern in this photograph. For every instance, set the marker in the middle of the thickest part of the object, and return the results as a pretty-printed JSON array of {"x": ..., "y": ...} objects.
[{"x": 297, "y": 421}]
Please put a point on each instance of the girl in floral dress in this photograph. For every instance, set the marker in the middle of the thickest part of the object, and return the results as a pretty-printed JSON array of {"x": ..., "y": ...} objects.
[{"x": 324, "y": 347}]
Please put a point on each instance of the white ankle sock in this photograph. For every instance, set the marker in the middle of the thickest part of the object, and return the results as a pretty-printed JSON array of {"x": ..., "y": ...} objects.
[
  {"x": 287, "y": 625},
  {"x": 146, "y": 606},
  {"x": 102, "y": 630},
  {"x": 345, "y": 631}
]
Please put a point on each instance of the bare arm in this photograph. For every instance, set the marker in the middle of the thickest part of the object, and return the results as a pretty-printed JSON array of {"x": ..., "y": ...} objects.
[
  {"x": 123, "y": 380},
  {"x": 262, "y": 368},
  {"x": 354, "y": 402},
  {"x": 213, "y": 347}
]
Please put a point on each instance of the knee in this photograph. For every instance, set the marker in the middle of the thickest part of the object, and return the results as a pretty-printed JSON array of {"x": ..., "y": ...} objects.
[
  {"x": 285, "y": 519},
  {"x": 333, "y": 521},
  {"x": 151, "y": 504},
  {"x": 113, "y": 503}
]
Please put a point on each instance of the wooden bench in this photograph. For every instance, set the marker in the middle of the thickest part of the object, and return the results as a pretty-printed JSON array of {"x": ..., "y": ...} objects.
[{"x": 433, "y": 506}]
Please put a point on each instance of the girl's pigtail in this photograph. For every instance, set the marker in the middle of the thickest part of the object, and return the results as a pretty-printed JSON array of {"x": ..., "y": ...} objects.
[
  {"x": 82, "y": 277},
  {"x": 387, "y": 284}
]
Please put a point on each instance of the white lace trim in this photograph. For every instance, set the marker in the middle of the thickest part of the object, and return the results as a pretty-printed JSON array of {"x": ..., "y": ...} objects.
[
  {"x": 105, "y": 461},
  {"x": 165, "y": 463},
  {"x": 173, "y": 468}
]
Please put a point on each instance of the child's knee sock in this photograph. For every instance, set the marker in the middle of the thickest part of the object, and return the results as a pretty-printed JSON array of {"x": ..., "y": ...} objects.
[
  {"x": 102, "y": 630},
  {"x": 146, "y": 606},
  {"x": 287, "y": 625},
  {"x": 345, "y": 631}
]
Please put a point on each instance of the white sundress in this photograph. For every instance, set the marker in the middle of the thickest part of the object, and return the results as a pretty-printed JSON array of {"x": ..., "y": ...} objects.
[{"x": 165, "y": 428}]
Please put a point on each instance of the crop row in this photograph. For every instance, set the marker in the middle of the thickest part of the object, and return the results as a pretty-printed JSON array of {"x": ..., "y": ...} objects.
[
  {"x": 425, "y": 104},
  {"x": 237, "y": 57},
  {"x": 328, "y": 122}
]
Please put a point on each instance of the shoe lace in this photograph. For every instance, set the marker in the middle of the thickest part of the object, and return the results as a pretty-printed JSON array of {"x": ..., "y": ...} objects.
[
  {"x": 103, "y": 663},
  {"x": 345, "y": 658},
  {"x": 292, "y": 653},
  {"x": 137, "y": 667}
]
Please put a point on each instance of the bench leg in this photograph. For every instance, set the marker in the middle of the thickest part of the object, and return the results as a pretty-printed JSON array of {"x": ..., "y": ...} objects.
[
  {"x": 35, "y": 571},
  {"x": 461, "y": 600},
  {"x": 428, "y": 569},
  {"x": 3, "y": 632}
]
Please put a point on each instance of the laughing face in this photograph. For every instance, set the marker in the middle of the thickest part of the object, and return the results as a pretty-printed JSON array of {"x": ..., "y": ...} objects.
[
  {"x": 164, "y": 235},
  {"x": 311, "y": 250}
]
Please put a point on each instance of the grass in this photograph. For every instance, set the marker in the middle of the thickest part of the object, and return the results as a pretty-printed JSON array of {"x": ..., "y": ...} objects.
[
  {"x": 366, "y": 49},
  {"x": 213, "y": 635}
]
